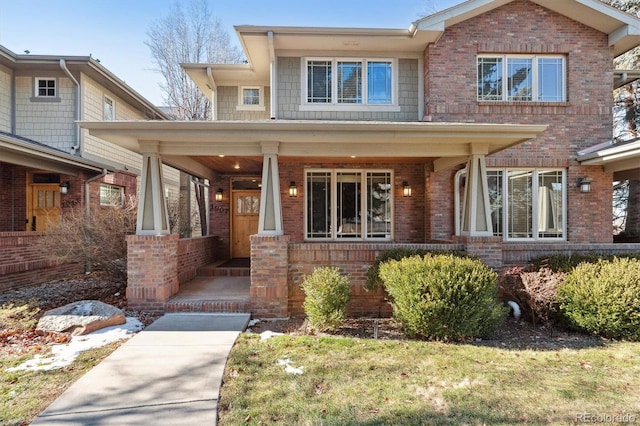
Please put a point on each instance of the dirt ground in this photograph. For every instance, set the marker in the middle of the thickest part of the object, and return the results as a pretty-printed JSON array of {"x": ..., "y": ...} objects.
[{"x": 512, "y": 334}]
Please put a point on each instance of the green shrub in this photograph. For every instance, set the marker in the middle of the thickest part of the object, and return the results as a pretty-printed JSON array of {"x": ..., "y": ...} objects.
[
  {"x": 603, "y": 298},
  {"x": 443, "y": 296},
  {"x": 326, "y": 297},
  {"x": 373, "y": 274}
]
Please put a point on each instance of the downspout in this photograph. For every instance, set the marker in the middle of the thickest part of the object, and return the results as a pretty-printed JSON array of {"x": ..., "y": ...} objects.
[
  {"x": 77, "y": 145},
  {"x": 87, "y": 193},
  {"x": 214, "y": 95}
]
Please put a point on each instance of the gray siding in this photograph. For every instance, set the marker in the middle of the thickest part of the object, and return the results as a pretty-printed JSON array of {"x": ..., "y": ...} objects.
[
  {"x": 228, "y": 103},
  {"x": 5, "y": 99},
  {"x": 289, "y": 95}
]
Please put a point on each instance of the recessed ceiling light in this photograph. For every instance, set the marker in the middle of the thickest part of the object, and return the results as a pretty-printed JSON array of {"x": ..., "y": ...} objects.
[
  {"x": 353, "y": 156},
  {"x": 237, "y": 166},
  {"x": 221, "y": 155}
]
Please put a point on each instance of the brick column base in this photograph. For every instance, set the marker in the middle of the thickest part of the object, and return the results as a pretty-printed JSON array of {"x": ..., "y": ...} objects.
[
  {"x": 152, "y": 271},
  {"x": 487, "y": 249},
  {"x": 269, "y": 276}
]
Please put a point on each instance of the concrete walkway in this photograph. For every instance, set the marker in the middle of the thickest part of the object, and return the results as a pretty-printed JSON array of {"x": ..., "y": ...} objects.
[{"x": 168, "y": 374}]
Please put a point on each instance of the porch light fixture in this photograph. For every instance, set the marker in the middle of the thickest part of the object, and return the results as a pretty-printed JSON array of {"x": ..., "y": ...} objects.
[
  {"x": 219, "y": 195},
  {"x": 293, "y": 189},
  {"x": 406, "y": 189},
  {"x": 584, "y": 184},
  {"x": 64, "y": 188}
]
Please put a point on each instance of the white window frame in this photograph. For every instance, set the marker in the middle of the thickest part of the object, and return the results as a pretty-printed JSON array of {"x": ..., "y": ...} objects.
[
  {"x": 105, "y": 100},
  {"x": 112, "y": 189},
  {"x": 334, "y": 105},
  {"x": 363, "y": 205},
  {"x": 37, "y": 81},
  {"x": 250, "y": 107},
  {"x": 505, "y": 202},
  {"x": 534, "y": 77}
]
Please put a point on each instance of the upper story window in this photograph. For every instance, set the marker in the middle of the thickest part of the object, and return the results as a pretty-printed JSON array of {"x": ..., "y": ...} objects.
[
  {"x": 346, "y": 82},
  {"x": 250, "y": 99},
  {"x": 46, "y": 88},
  {"x": 109, "y": 111},
  {"x": 349, "y": 204},
  {"x": 522, "y": 78}
]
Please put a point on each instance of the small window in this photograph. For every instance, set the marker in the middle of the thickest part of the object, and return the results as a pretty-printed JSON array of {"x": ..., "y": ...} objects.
[
  {"x": 521, "y": 78},
  {"x": 109, "y": 112},
  {"x": 46, "y": 88},
  {"x": 250, "y": 99},
  {"x": 111, "y": 195}
]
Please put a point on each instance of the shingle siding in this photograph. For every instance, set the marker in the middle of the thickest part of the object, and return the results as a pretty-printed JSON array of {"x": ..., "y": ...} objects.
[{"x": 5, "y": 99}]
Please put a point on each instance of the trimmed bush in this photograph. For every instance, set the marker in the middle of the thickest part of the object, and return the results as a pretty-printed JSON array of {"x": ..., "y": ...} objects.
[
  {"x": 326, "y": 297},
  {"x": 443, "y": 297},
  {"x": 373, "y": 274},
  {"x": 566, "y": 262},
  {"x": 603, "y": 298}
]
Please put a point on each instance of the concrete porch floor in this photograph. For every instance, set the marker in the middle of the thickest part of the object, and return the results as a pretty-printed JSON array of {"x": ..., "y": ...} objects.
[{"x": 228, "y": 294}]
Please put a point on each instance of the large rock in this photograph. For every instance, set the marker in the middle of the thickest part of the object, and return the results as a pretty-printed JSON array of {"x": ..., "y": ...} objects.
[{"x": 80, "y": 318}]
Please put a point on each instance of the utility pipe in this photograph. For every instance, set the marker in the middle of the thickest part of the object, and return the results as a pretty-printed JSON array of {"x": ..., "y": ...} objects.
[{"x": 77, "y": 145}]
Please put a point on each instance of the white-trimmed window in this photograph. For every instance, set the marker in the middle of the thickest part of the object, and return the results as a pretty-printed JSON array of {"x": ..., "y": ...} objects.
[
  {"x": 348, "y": 83},
  {"x": 525, "y": 204},
  {"x": 250, "y": 98},
  {"x": 46, "y": 88},
  {"x": 109, "y": 109},
  {"x": 522, "y": 78},
  {"x": 111, "y": 195},
  {"x": 348, "y": 204}
]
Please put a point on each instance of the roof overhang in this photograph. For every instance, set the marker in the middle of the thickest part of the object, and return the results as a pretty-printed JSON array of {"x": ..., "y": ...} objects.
[
  {"x": 450, "y": 143},
  {"x": 622, "y": 77},
  {"x": 622, "y": 28},
  {"x": 20, "y": 152},
  {"x": 622, "y": 158}
]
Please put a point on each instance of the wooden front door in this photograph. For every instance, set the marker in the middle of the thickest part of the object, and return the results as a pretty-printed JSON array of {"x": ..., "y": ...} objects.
[
  {"x": 43, "y": 208},
  {"x": 246, "y": 209}
]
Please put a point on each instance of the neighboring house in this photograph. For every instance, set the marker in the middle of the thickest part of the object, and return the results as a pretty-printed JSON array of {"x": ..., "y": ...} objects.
[
  {"x": 480, "y": 128},
  {"x": 47, "y": 163}
]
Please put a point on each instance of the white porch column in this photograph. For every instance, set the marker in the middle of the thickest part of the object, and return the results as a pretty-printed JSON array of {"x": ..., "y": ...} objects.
[
  {"x": 270, "y": 219},
  {"x": 476, "y": 213},
  {"x": 153, "y": 217}
]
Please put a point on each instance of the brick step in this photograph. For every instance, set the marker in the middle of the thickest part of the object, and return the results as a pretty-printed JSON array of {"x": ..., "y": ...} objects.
[
  {"x": 221, "y": 271},
  {"x": 210, "y": 306}
]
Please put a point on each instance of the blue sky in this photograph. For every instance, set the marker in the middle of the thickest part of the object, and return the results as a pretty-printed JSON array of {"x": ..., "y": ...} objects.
[{"x": 114, "y": 31}]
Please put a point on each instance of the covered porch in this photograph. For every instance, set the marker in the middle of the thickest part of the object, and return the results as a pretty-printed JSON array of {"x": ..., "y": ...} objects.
[{"x": 274, "y": 151}]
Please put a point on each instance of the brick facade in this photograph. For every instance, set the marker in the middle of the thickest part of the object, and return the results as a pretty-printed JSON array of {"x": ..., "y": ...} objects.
[{"x": 269, "y": 281}]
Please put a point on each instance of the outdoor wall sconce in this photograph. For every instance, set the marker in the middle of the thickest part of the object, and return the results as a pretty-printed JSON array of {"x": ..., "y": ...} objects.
[
  {"x": 293, "y": 189},
  {"x": 64, "y": 188},
  {"x": 406, "y": 189},
  {"x": 584, "y": 184},
  {"x": 219, "y": 195}
]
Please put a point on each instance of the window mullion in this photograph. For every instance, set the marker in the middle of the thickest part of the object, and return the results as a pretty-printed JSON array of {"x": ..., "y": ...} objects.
[
  {"x": 534, "y": 79},
  {"x": 364, "y": 80},
  {"x": 535, "y": 231}
]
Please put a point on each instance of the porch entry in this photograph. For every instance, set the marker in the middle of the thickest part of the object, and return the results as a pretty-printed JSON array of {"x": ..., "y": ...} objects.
[{"x": 43, "y": 201}]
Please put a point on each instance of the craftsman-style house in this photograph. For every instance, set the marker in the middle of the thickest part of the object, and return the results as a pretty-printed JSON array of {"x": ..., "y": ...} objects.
[
  {"x": 483, "y": 128},
  {"x": 47, "y": 163}
]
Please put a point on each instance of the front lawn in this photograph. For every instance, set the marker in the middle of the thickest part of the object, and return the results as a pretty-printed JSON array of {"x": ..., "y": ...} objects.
[{"x": 352, "y": 381}]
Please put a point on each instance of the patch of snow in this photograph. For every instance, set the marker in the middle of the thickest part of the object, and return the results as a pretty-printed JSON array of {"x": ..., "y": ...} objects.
[
  {"x": 288, "y": 368},
  {"x": 254, "y": 322},
  {"x": 64, "y": 354}
]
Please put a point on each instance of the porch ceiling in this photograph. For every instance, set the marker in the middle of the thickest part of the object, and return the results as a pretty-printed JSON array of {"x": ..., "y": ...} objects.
[{"x": 185, "y": 143}]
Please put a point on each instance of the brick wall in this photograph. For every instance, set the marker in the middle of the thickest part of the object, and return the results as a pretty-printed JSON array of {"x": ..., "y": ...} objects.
[
  {"x": 219, "y": 216},
  {"x": 23, "y": 263},
  {"x": 269, "y": 289},
  {"x": 353, "y": 259},
  {"x": 194, "y": 253},
  {"x": 583, "y": 121},
  {"x": 13, "y": 206}
]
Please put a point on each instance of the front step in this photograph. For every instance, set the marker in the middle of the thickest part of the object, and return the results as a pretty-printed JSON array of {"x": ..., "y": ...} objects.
[
  {"x": 213, "y": 270},
  {"x": 209, "y": 306}
]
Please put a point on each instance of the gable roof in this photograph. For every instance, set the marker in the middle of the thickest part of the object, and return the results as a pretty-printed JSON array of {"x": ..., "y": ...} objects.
[
  {"x": 85, "y": 64},
  {"x": 262, "y": 43}
]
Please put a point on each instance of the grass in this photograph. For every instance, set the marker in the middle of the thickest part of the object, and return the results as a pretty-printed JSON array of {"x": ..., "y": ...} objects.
[
  {"x": 24, "y": 394},
  {"x": 348, "y": 381}
]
